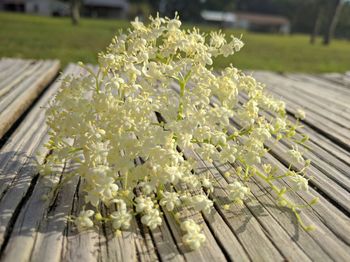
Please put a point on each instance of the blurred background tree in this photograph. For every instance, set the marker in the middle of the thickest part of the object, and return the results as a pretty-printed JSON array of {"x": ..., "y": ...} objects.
[
  {"x": 265, "y": 25},
  {"x": 75, "y": 11},
  {"x": 326, "y": 18},
  {"x": 316, "y": 17}
]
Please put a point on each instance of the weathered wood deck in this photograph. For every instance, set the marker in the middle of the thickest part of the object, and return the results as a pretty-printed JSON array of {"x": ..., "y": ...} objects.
[{"x": 35, "y": 230}]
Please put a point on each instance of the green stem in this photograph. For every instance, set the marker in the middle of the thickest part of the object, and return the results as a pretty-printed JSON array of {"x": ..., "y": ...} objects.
[
  {"x": 182, "y": 84},
  {"x": 181, "y": 106},
  {"x": 126, "y": 181},
  {"x": 291, "y": 205}
]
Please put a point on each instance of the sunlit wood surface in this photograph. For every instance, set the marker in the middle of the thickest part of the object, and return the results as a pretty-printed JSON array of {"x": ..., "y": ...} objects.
[{"x": 32, "y": 229}]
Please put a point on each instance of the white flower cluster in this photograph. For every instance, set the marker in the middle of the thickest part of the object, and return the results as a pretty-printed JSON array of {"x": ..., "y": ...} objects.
[
  {"x": 127, "y": 129},
  {"x": 193, "y": 237},
  {"x": 238, "y": 192}
]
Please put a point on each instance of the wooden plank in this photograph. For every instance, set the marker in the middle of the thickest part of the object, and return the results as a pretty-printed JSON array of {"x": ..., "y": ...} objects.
[
  {"x": 305, "y": 87},
  {"x": 24, "y": 230},
  {"x": 10, "y": 66},
  {"x": 333, "y": 227},
  {"x": 81, "y": 246},
  {"x": 326, "y": 156},
  {"x": 339, "y": 219},
  {"x": 279, "y": 224},
  {"x": 323, "y": 163},
  {"x": 55, "y": 242},
  {"x": 305, "y": 90},
  {"x": 19, "y": 172},
  {"x": 341, "y": 79},
  {"x": 165, "y": 244},
  {"x": 34, "y": 72},
  {"x": 314, "y": 103},
  {"x": 16, "y": 77},
  {"x": 4, "y": 63},
  {"x": 328, "y": 168},
  {"x": 122, "y": 247},
  {"x": 33, "y": 87},
  {"x": 244, "y": 226},
  {"x": 229, "y": 242},
  {"x": 327, "y": 145},
  {"x": 336, "y": 131},
  {"x": 39, "y": 228},
  {"x": 334, "y": 191},
  {"x": 324, "y": 108},
  {"x": 312, "y": 250},
  {"x": 13, "y": 77},
  {"x": 15, "y": 155},
  {"x": 321, "y": 83},
  {"x": 333, "y": 231},
  {"x": 19, "y": 147},
  {"x": 51, "y": 232},
  {"x": 17, "y": 191},
  {"x": 210, "y": 250},
  {"x": 271, "y": 228},
  {"x": 217, "y": 232},
  {"x": 336, "y": 114}
]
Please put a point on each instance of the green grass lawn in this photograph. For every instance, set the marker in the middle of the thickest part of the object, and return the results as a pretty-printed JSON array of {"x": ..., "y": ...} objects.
[{"x": 45, "y": 37}]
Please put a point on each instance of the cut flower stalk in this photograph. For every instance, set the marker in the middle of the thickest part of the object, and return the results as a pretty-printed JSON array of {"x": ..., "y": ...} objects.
[{"x": 106, "y": 121}]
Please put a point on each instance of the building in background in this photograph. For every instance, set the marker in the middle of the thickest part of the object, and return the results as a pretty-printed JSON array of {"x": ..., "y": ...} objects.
[
  {"x": 263, "y": 23},
  {"x": 248, "y": 21},
  {"x": 42, "y": 7},
  {"x": 47, "y": 7},
  {"x": 90, "y": 8},
  {"x": 225, "y": 19},
  {"x": 105, "y": 8}
]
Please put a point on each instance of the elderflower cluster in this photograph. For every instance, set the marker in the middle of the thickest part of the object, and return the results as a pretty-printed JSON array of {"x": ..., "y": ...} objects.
[
  {"x": 193, "y": 237},
  {"x": 238, "y": 192},
  {"x": 127, "y": 127}
]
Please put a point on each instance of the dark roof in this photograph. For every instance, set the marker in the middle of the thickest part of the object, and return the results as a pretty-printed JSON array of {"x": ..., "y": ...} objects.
[
  {"x": 12, "y": 1},
  {"x": 107, "y": 3},
  {"x": 262, "y": 19}
]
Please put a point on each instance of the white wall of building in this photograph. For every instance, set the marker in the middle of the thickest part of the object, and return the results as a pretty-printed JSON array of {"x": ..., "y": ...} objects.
[{"x": 47, "y": 7}]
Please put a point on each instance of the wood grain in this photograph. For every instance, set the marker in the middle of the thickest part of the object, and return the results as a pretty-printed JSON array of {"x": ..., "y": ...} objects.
[
  {"x": 17, "y": 97},
  {"x": 35, "y": 230}
]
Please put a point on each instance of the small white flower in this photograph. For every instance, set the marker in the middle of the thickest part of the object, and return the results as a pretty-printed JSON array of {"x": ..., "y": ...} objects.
[
  {"x": 121, "y": 219},
  {"x": 152, "y": 219},
  {"x": 190, "y": 226},
  {"x": 193, "y": 237},
  {"x": 300, "y": 114},
  {"x": 193, "y": 240},
  {"x": 206, "y": 183},
  {"x": 217, "y": 39},
  {"x": 83, "y": 221},
  {"x": 296, "y": 155},
  {"x": 143, "y": 204},
  {"x": 227, "y": 50},
  {"x": 238, "y": 192},
  {"x": 252, "y": 158},
  {"x": 301, "y": 183},
  {"x": 202, "y": 203},
  {"x": 107, "y": 120},
  {"x": 170, "y": 200}
]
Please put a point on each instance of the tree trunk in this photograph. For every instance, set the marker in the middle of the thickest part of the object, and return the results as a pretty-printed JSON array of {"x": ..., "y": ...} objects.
[
  {"x": 333, "y": 23},
  {"x": 317, "y": 25},
  {"x": 75, "y": 11}
]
